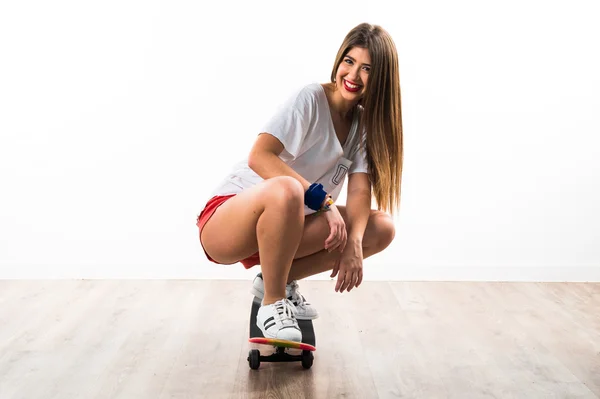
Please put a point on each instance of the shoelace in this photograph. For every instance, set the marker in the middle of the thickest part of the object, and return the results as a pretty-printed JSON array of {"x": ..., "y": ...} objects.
[
  {"x": 286, "y": 310},
  {"x": 295, "y": 295}
]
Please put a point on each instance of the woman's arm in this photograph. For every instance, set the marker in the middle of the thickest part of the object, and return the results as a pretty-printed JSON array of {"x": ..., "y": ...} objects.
[
  {"x": 358, "y": 206},
  {"x": 264, "y": 160},
  {"x": 358, "y": 209}
]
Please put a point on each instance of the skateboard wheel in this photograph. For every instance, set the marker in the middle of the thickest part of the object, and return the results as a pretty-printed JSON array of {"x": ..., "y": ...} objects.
[
  {"x": 307, "y": 359},
  {"x": 254, "y": 359}
]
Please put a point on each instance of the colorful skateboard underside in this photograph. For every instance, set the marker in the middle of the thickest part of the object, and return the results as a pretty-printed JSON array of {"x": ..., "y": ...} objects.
[{"x": 282, "y": 343}]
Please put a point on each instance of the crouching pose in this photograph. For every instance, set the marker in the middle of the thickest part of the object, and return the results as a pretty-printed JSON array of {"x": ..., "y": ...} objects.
[{"x": 277, "y": 208}]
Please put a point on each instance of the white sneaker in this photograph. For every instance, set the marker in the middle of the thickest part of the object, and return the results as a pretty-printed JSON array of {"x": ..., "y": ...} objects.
[
  {"x": 277, "y": 321},
  {"x": 304, "y": 310}
]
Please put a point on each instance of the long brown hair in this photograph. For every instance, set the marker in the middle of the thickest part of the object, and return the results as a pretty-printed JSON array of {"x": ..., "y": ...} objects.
[{"x": 382, "y": 112}]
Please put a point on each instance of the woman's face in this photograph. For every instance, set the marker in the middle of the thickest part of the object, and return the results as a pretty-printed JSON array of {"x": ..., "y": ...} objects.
[{"x": 353, "y": 73}]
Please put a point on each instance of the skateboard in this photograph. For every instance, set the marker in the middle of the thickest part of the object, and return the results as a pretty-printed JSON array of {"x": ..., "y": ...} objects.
[{"x": 281, "y": 354}]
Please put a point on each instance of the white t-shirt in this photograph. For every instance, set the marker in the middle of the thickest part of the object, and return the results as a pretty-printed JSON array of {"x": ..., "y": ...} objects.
[{"x": 304, "y": 126}]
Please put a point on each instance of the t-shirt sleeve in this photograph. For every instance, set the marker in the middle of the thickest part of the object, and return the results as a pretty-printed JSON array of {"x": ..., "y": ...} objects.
[
  {"x": 290, "y": 123},
  {"x": 359, "y": 158}
]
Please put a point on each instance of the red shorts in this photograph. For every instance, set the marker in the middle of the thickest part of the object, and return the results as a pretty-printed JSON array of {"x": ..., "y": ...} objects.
[{"x": 211, "y": 207}]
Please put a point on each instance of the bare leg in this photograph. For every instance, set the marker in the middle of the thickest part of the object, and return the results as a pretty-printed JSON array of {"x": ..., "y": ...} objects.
[
  {"x": 279, "y": 230},
  {"x": 311, "y": 257},
  {"x": 319, "y": 262},
  {"x": 269, "y": 215}
]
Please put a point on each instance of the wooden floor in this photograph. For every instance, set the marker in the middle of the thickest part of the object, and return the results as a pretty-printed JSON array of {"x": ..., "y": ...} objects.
[{"x": 188, "y": 339}]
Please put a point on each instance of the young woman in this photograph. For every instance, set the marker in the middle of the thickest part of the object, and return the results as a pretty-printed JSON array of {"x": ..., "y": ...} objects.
[{"x": 277, "y": 207}]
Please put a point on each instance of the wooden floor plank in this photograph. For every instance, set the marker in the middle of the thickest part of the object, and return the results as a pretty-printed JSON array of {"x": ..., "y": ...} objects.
[
  {"x": 559, "y": 328},
  {"x": 211, "y": 341},
  {"x": 524, "y": 366}
]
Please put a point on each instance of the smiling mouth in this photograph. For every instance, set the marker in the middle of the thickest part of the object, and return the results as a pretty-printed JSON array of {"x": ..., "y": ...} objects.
[{"x": 350, "y": 86}]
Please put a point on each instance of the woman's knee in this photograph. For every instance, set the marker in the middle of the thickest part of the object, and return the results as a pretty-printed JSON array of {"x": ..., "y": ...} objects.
[
  {"x": 285, "y": 191},
  {"x": 383, "y": 230}
]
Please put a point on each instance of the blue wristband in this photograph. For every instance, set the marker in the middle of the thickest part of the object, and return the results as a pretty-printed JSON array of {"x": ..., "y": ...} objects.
[{"x": 314, "y": 196}]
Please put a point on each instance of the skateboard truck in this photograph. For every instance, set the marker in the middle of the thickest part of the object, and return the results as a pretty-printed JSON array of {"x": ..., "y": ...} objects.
[{"x": 280, "y": 355}]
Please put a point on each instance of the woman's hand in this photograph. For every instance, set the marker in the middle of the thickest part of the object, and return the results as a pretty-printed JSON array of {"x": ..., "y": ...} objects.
[
  {"x": 337, "y": 227},
  {"x": 349, "y": 267}
]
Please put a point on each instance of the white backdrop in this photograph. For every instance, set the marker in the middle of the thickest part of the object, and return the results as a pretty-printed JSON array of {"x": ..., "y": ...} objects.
[{"x": 117, "y": 118}]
